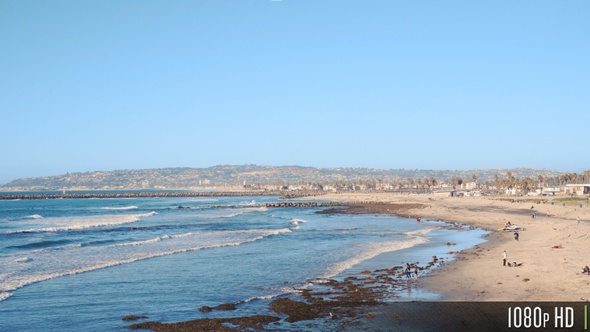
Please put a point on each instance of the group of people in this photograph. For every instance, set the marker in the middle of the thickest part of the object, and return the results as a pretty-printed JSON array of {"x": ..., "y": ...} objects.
[
  {"x": 505, "y": 261},
  {"x": 408, "y": 270}
]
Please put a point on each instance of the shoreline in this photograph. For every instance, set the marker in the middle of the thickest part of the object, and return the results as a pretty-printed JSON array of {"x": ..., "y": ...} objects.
[
  {"x": 345, "y": 300},
  {"x": 476, "y": 274},
  {"x": 546, "y": 274}
]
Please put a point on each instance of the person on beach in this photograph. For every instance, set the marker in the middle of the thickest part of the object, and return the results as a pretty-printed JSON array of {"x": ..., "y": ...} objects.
[
  {"x": 516, "y": 236},
  {"x": 408, "y": 273},
  {"x": 416, "y": 270},
  {"x": 504, "y": 256},
  {"x": 578, "y": 220}
]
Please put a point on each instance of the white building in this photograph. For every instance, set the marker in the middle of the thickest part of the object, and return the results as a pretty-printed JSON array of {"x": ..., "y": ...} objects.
[
  {"x": 577, "y": 189},
  {"x": 550, "y": 191}
]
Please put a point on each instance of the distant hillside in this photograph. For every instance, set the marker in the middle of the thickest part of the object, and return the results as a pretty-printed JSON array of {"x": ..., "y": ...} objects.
[{"x": 224, "y": 175}]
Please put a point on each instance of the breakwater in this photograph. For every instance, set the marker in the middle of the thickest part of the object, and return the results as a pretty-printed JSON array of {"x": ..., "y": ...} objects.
[
  {"x": 272, "y": 205},
  {"x": 144, "y": 194}
]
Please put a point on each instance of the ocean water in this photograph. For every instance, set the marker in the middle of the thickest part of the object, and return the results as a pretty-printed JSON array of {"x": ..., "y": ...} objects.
[{"x": 84, "y": 264}]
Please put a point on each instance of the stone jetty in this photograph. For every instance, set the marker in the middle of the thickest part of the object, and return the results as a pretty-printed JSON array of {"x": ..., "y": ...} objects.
[
  {"x": 270, "y": 205},
  {"x": 148, "y": 194}
]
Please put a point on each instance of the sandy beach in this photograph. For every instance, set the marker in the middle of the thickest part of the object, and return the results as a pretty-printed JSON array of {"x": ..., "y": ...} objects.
[{"x": 552, "y": 249}]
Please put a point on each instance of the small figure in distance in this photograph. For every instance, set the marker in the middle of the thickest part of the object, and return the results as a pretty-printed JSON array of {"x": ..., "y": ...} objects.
[{"x": 408, "y": 273}]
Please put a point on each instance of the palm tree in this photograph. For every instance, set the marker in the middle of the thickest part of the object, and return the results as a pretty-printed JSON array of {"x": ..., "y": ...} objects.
[{"x": 433, "y": 181}]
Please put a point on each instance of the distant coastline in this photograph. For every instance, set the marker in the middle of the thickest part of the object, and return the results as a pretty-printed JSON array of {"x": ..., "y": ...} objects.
[{"x": 232, "y": 177}]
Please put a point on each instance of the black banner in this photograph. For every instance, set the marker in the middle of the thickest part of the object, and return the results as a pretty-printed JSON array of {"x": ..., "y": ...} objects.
[{"x": 482, "y": 316}]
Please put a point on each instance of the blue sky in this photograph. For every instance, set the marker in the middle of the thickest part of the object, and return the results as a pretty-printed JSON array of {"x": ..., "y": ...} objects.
[{"x": 104, "y": 85}]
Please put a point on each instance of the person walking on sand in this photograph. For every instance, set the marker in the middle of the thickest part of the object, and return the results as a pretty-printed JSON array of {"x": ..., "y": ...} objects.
[
  {"x": 516, "y": 236},
  {"x": 578, "y": 220},
  {"x": 504, "y": 256}
]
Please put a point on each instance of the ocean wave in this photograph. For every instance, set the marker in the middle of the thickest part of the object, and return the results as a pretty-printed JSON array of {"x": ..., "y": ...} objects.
[
  {"x": 419, "y": 232},
  {"x": 154, "y": 240},
  {"x": 281, "y": 291},
  {"x": 22, "y": 260},
  {"x": 296, "y": 221},
  {"x": 372, "y": 251},
  {"x": 230, "y": 213},
  {"x": 20, "y": 270},
  {"x": 263, "y": 297},
  {"x": 81, "y": 223},
  {"x": 4, "y": 296},
  {"x": 39, "y": 244},
  {"x": 121, "y": 208},
  {"x": 34, "y": 216}
]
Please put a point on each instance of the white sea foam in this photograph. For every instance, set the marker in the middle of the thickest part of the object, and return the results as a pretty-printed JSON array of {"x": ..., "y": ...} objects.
[
  {"x": 78, "y": 223},
  {"x": 34, "y": 216},
  {"x": 19, "y": 270},
  {"x": 296, "y": 221},
  {"x": 4, "y": 296},
  {"x": 122, "y": 208},
  {"x": 371, "y": 251},
  {"x": 263, "y": 297},
  {"x": 281, "y": 291},
  {"x": 154, "y": 240},
  {"x": 419, "y": 232}
]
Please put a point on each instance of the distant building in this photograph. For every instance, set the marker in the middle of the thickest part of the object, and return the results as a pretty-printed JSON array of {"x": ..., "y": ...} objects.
[
  {"x": 577, "y": 189},
  {"x": 550, "y": 191}
]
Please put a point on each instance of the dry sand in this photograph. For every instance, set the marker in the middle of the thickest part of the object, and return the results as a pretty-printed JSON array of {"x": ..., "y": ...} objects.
[{"x": 546, "y": 274}]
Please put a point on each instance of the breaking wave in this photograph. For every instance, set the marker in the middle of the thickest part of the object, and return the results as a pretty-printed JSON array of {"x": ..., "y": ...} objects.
[
  {"x": 120, "y": 208},
  {"x": 20, "y": 270},
  {"x": 79, "y": 223}
]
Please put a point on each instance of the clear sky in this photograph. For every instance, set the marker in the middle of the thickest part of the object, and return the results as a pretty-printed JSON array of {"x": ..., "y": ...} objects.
[{"x": 111, "y": 84}]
